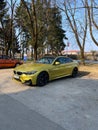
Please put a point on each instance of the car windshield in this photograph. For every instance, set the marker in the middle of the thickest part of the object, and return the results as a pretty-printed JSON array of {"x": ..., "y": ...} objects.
[{"x": 46, "y": 60}]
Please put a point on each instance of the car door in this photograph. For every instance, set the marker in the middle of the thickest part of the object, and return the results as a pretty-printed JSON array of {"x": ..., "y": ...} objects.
[
  {"x": 7, "y": 62},
  {"x": 10, "y": 62},
  {"x": 57, "y": 70},
  {"x": 68, "y": 66},
  {"x": 1, "y": 61},
  {"x": 64, "y": 67}
]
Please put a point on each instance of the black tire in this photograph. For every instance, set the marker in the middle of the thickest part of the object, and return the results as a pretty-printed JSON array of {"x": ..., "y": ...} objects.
[
  {"x": 17, "y": 64},
  {"x": 42, "y": 79},
  {"x": 74, "y": 72},
  {"x": 30, "y": 83}
]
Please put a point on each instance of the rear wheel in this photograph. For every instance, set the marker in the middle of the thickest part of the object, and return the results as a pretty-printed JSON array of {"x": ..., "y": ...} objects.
[
  {"x": 42, "y": 79},
  {"x": 17, "y": 64},
  {"x": 74, "y": 72}
]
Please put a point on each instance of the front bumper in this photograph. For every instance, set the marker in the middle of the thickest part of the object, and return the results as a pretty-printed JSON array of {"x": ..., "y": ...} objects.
[{"x": 26, "y": 78}]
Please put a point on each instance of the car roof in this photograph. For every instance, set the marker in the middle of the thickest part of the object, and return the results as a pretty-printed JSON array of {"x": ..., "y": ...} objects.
[{"x": 56, "y": 56}]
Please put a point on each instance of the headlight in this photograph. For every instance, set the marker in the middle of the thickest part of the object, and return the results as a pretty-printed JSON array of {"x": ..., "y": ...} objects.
[{"x": 30, "y": 72}]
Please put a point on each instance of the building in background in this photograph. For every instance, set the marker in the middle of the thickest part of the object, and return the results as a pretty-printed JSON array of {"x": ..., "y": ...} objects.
[{"x": 75, "y": 54}]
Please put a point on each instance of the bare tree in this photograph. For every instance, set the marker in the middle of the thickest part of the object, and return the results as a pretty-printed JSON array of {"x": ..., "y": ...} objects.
[
  {"x": 8, "y": 29},
  {"x": 78, "y": 26},
  {"x": 12, "y": 6},
  {"x": 92, "y": 8},
  {"x": 34, "y": 25},
  {"x": 37, "y": 18}
]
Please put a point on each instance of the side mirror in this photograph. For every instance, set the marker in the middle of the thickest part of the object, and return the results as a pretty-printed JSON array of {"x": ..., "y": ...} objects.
[{"x": 57, "y": 63}]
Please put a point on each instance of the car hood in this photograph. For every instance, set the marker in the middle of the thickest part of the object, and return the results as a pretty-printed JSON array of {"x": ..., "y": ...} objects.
[{"x": 30, "y": 67}]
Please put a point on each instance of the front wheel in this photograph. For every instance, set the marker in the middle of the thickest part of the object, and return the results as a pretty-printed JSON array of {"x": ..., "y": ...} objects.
[
  {"x": 42, "y": 79},
  {"x": 74, "y": 72}
]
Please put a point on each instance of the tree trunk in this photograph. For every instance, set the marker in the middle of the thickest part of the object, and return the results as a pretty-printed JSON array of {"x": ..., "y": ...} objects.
[
  {"x": 82, "y": 56},
  {"x": 35, "y": 51}
]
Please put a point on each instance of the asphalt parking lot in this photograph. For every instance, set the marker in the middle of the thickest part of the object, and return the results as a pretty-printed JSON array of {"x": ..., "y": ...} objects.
[{"x": 64, "y": 104}]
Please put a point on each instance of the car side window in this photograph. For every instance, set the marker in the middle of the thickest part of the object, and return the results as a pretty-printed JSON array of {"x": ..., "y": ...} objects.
[
  {"x": 60, "y": 59},
  {"x": 43, "y": 60},
  {"x": 64, "y": 60},
  {"x": 67, "y": 60},
  {"x": 5, "y": 57}
]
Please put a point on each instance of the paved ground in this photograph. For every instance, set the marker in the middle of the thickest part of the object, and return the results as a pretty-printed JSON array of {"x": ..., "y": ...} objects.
[{"x": 64, "y": 104}]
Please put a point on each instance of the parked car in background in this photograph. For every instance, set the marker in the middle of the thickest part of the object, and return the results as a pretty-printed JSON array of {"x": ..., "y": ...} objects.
[
  {"x": 6, "y": 62},
  {"x": 46, "y": 69}
]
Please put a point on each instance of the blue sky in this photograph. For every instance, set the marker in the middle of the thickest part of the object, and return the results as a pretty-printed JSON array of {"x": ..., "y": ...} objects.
[{"x": 89, "y": 46}]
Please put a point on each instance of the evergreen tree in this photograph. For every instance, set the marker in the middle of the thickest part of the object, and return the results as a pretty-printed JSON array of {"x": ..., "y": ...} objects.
[
  {"x": 7, "y": 34},
  {"x": 56, "y": 34},
  {"x": 28, "y": 28},
  {"x": 42, "y": 25},
  {"x": 3, "y": 11}
]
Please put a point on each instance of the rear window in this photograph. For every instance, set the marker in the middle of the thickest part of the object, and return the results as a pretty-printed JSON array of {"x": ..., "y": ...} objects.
[
  {"x": 0, "y": 57},
  {"x": 4, "y": 57}
]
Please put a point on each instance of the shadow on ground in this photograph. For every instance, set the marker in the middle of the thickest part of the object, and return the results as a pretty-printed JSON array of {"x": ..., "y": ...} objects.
[{"x": 83, "y": 73}]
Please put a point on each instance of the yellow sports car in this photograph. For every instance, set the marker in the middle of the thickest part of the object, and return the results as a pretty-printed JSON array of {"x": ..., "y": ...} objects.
[{"x": 46, "y": 69}]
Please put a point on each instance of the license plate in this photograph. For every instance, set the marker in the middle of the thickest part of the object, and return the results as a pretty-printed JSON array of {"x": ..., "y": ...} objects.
[{"x": 16, "y": 76}]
